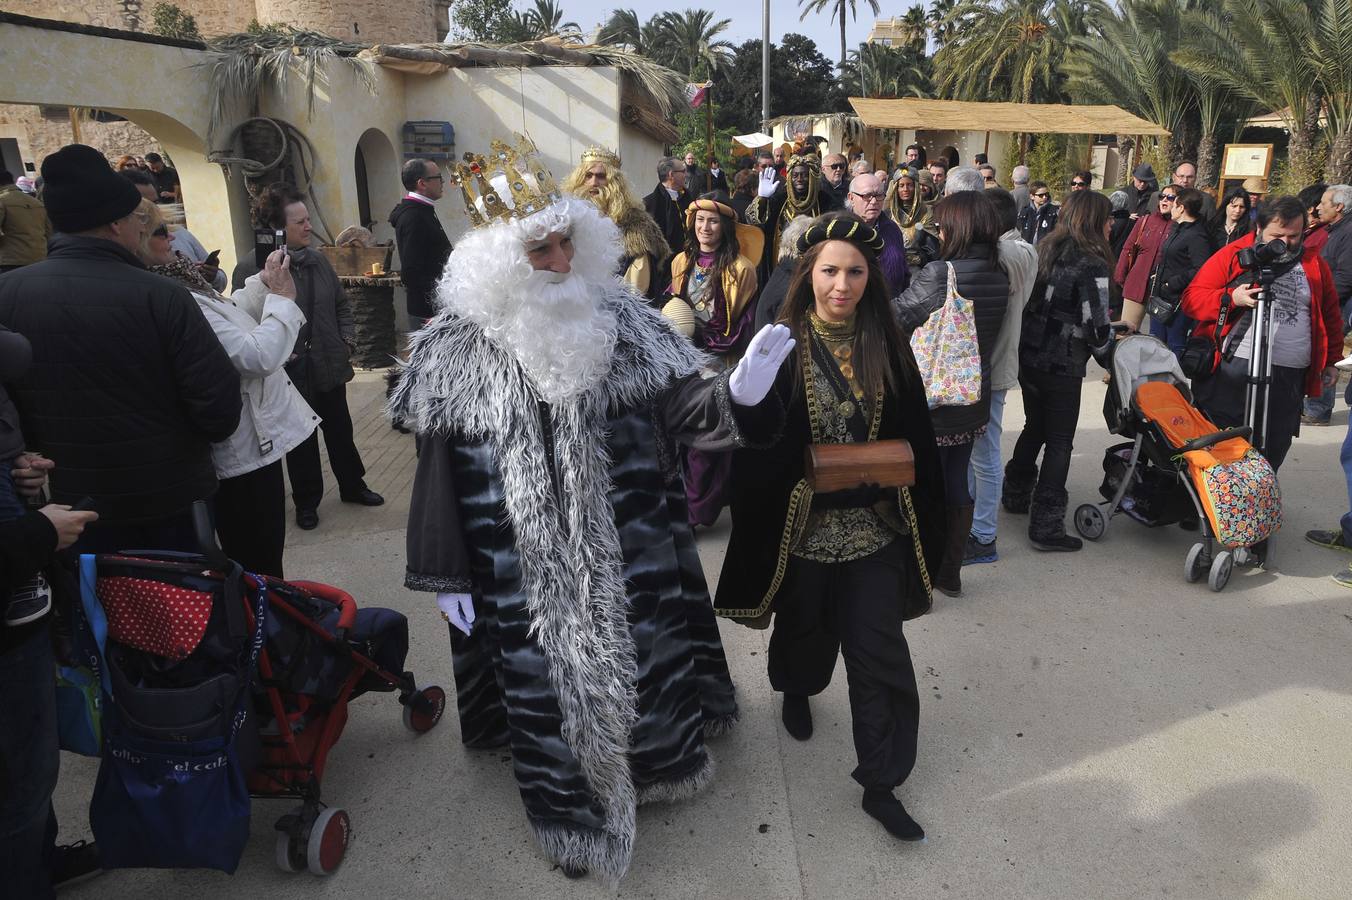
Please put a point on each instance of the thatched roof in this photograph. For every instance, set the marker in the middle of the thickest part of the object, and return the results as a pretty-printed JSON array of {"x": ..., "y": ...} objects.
[
  {"x": 666, "y": 87},
  {"x": 1034, "y": 118}
]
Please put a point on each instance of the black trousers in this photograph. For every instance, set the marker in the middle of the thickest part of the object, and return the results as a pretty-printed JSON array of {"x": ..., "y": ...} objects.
[
  {"x": 302, "y": 463},
  {"x": 1221, "y": 398},
  {"x": 251, "y": 519},
  {"x": 853, "y": 608},
  {"x": 1051, "y": 405}
]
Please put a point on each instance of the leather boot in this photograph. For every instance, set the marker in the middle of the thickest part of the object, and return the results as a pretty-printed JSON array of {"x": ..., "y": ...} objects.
[
  {"x": 1017, "y": 493},
  {"x": 1047, "y": 520},
  {"x": 948, "y": 581}
]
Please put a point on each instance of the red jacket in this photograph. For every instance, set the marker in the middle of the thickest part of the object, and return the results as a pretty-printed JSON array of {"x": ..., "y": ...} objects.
[
  {"x": 1139, "y": 255},
  {"x": 1202, "y": 301}
]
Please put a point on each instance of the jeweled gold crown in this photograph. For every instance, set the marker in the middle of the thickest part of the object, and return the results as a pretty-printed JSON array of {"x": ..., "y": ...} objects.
[
  {"x": 509, "y": 183},
  {"x": 596, "y": 154}
]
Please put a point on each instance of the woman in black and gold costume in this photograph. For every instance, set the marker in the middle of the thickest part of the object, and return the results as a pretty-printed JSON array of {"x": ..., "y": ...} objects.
[{"x": 842, "y": 570}]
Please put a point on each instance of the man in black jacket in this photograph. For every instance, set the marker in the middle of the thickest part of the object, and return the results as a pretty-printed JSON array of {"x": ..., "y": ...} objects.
[
  {"x": 667, "y": 203},
  {"x": 129, "y": 386},
  {"x": 423, "y": 245}
]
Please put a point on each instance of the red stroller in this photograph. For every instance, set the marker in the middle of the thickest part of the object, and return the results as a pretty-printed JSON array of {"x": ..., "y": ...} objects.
[{"x": 318, "y": 652}]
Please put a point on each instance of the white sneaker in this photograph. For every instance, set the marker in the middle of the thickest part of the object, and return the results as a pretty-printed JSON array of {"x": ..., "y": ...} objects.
[{"x": 29, "y": 602}]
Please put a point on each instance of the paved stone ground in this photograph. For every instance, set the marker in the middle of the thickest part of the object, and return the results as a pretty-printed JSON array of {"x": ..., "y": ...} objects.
[{"x": 1092, "y": 727}]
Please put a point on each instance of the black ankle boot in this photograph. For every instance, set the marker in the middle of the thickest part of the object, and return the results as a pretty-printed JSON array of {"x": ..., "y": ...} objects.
[
  {"x": 1047, "y": 521},
  {"x": 1017, "y": 492},
  {"x": 797, "y": 716},
  {"x": 887, "y": 809}
]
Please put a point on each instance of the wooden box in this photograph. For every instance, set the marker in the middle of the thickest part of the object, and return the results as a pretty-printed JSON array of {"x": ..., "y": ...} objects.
[
  {"x": 358, "y": 260},
  {"x": 839, "y": 467}
]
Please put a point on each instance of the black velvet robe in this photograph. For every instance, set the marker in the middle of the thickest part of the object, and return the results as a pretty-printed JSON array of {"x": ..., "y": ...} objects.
[{"x": 595, "y": 654}]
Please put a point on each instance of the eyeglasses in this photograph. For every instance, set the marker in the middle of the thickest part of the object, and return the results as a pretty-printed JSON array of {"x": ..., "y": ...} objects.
[
  {"x": 1170, "y": 197},
  {"x": 434, "y": 178},
  {"x": 161, "y": 232},
  {"x": 1078, "y": 184},
  {"x": 836, "y": 166},
  {"x": 1041, "y": 195},
  {"x": 866, "y": 197}
]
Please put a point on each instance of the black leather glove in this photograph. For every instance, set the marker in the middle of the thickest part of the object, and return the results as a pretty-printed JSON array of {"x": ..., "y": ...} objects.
[{"x": 853, "y": 498}]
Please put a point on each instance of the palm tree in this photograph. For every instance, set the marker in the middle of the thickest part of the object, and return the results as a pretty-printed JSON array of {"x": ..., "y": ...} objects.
[
  {"x": 1268, "y": 51},
  {"x": 1137, "y": 75},
  {"x": 1011, "y": 49},
  {"x": 939, "y": 13},
  {"x": 623, "y": 29},
  {"x": 1330, "y": 45},
  {"x": 915, "y": 28},
  {"x": 838, "y": 9},
  {"x": 546, "y": 20},
  {"x": 886, "y": 72},
  {"x": 688, "y": 42}
]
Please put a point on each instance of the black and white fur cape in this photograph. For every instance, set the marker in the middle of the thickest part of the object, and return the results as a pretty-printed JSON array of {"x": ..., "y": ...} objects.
[{"x": 595, "y": 654}]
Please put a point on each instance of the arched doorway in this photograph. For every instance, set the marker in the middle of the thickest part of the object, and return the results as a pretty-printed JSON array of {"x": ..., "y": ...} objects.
[{"x": 376, "y": 169}]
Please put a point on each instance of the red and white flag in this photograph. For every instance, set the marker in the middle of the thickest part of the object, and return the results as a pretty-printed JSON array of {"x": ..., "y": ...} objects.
[{"x": 696, "y": 93}]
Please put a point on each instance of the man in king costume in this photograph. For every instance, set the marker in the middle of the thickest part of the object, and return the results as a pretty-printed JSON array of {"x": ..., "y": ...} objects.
[
  {"x": 598, "y": 178},
  {"x": 779, "y": 202},
  {"x": 546, "y": 518}
]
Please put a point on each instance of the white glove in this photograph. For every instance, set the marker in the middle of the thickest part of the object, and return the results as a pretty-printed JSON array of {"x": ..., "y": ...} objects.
[
  {"x": 767, "y": 185},
  {"x": 458, "y": 609},
  {"x": 755, "y": 374}
]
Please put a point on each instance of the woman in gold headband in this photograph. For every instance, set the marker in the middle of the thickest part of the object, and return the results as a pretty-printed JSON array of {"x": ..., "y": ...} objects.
[
  {"x": 841, "y": 569},
  {"x": 717, "y": 283}
]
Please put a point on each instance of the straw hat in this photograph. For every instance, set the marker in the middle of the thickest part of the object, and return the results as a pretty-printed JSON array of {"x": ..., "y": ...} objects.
[{"x": 1255, "y": 185}]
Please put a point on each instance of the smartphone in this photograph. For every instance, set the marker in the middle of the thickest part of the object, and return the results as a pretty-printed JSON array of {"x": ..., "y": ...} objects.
[
  {"x": 279, "y": 240},
  {"x": 84, "y": 505},
  {"x": 265, "y": 241}
]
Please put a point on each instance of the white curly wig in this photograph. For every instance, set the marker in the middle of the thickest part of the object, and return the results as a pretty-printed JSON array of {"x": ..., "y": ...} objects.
[
  {"x": 556, "y": 325},
  {"x": 492, "y": 259}
]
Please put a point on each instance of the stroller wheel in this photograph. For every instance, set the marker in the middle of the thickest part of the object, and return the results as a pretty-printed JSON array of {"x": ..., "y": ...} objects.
[
  {"x": 288, "y": 855},
  {"x": 328, "y": 841},
  {"x": 1221, "y": 567},
  {"x": 423, "y": 710},
  {"x": 1090, "y": 522},
  {"x": 1195, "y": 563}
]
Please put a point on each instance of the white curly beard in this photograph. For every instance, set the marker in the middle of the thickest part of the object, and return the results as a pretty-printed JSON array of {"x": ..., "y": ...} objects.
[
  {"x": 560, "y": 333},
  {"x": 554, "y": 325}
]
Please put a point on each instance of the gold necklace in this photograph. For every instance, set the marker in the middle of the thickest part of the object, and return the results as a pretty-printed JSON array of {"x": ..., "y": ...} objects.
[{"x": 839, "y": 339}]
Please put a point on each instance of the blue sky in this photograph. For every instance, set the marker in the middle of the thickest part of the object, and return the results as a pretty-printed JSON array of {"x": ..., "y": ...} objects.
[{"x": 746, "y": 19}]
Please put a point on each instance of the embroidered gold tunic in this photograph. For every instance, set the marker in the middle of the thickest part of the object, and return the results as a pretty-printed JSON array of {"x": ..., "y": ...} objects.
[{"x": 841, "y": 535}]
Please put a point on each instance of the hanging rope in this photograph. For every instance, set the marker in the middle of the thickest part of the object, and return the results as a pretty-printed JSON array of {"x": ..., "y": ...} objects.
[{"x": 291, "y": 142}]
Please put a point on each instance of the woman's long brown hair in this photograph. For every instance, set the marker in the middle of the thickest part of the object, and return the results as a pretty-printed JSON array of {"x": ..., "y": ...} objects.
[
  {"x": 1079, "y": 226},
  {"x": 724, "y": 257},
  {"x": 879, "y": 351}
]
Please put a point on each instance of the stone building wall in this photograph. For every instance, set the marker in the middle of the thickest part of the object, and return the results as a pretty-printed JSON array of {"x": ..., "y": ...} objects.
[
  {"x": 376, "y": 21},
  {"x": 46, "y": 135}
]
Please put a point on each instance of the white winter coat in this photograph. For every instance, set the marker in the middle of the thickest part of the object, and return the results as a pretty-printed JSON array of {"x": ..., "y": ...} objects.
[{"x": 258, "y": 331}]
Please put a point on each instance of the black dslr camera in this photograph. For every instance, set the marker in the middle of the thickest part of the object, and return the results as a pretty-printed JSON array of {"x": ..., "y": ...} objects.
[{"x": 1262, "y": 261}]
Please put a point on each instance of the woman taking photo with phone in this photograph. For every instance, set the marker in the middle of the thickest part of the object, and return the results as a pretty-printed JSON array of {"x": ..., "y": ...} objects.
[
  {"x": 320, "y": 366},
  {"x": 841, "y": 569}
]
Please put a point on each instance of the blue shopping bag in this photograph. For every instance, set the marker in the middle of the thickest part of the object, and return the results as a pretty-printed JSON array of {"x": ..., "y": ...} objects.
[
  {"x": 169, "y": 805},
  {"x": 79, "y": 687}
]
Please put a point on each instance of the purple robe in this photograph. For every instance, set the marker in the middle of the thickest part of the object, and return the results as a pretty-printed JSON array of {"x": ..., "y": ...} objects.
[{"x": 893, "y": 258}]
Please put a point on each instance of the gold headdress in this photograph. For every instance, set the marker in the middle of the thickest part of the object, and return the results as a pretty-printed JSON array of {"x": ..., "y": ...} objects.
[
  {"x": 596, "y": 154},
  {"x": 514, "y": 171}
]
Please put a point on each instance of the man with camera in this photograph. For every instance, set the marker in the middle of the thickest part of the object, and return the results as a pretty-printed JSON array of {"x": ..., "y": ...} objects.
[{"x": 1296, "y": 287}]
